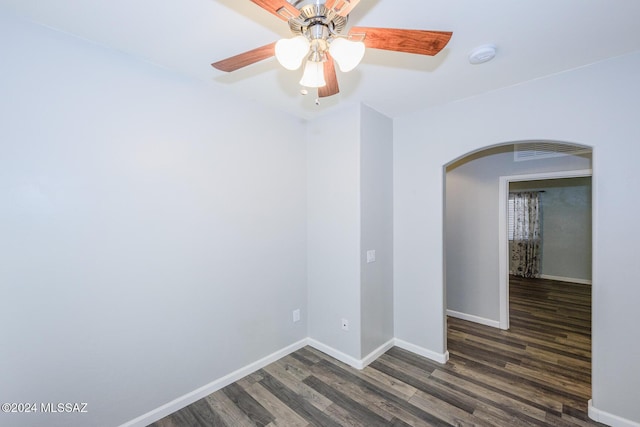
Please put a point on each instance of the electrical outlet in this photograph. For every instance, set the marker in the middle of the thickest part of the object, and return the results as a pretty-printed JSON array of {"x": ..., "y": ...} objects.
[
  {"x": 296, "y": 315},
  {"x": 345, "y": 325}
]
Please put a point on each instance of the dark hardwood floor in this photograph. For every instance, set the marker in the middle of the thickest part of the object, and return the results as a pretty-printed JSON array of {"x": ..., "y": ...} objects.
[{"x": 535, "y": 374}]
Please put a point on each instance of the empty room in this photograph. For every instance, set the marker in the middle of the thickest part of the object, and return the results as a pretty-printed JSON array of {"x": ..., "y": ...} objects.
[{"x": 266, "y": 212}]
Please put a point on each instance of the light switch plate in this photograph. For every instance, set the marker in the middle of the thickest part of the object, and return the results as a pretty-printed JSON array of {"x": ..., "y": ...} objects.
[{"x": 371, "y": 256}]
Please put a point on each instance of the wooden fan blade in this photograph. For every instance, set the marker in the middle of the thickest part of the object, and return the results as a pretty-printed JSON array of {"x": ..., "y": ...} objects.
[
  {"x": 251, "y": 57},
  {"x": 410, "y": 41},
  {"x": 341, "y": 7},
  {"x": 331, "y": 88},
  {"x": 280, "y": 8}
]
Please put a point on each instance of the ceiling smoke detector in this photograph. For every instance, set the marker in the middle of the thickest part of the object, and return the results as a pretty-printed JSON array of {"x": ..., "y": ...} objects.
[{"x": 482, "y": 54}]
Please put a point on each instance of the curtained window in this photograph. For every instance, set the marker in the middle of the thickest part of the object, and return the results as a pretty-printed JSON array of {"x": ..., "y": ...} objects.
[{"x": 524, "y": 234}]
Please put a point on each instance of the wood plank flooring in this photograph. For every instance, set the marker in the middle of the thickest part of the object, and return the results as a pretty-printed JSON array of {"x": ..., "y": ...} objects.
[{"x": 535, "y": 374}]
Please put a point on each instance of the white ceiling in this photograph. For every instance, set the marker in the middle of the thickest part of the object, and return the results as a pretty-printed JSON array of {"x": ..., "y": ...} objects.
[{"x": 534, "y": 39}]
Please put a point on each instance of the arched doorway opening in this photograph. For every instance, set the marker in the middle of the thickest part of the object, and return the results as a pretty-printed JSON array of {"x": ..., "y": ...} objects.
[{"x": 476, "y": 274}]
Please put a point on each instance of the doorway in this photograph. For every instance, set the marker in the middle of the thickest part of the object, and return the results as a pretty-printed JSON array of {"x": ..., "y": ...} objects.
[
  {"x": 477, "y": 273},
  {"x": 503, "y": 249}
]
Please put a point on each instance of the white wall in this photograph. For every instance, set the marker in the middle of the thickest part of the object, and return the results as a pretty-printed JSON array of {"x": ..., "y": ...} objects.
[
  {"x": 376, "y": 201},
  {"x": 471, "y": 225},
  {"x": 153, "y": 230},
  {"x": 598, "y": 106},
  {"x": 418, "y": 291},
  {"x": 349, "y": 209},
  {"x": 333, "y": 215}
]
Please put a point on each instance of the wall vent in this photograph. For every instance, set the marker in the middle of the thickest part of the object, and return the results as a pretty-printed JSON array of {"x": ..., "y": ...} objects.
[{"x": 545, "y": 150}]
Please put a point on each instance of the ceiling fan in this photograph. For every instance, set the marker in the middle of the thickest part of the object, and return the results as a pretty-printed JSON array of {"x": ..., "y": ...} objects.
[{"x": 318, "y": 26}]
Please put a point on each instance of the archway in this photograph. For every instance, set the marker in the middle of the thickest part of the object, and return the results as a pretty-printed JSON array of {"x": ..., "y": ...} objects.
[
  {"x": 481, "y": 187},
  {"x": 475, "y": 191}
]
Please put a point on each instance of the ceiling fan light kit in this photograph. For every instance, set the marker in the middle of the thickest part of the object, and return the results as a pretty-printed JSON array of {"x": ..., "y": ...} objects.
[
  {"x": 347, "y": 53},
  {"x": 319, "y": 39},
  {"x": 313, "y": 75},
  {"x": 291, "y": 52}
]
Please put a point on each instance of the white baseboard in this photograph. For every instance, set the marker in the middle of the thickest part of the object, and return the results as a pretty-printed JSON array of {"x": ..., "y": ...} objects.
[
  {"x": 362, "y": 363},
  {"x": 609, "y": 419},
  {"x": 349, "y": 360},
  {"x": 336, "y": 354},
  {"x": 475, "y": 319},
  {"x": 189, "y": 398},
  {"x": 378, "y": 352},
  {"x": 424, "y": 352},
  {"x": 565, "y": 279}
]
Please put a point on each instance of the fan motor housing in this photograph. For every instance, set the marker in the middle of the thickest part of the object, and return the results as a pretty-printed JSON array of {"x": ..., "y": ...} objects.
[{"x": 313, "y": 13}]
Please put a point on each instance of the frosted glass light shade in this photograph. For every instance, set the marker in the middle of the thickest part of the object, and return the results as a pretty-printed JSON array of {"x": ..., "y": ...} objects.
[
  {"x": 347, "y": 53},
  {"x": 313, "y": 75},
  {"x": 291, "y": 52}
]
